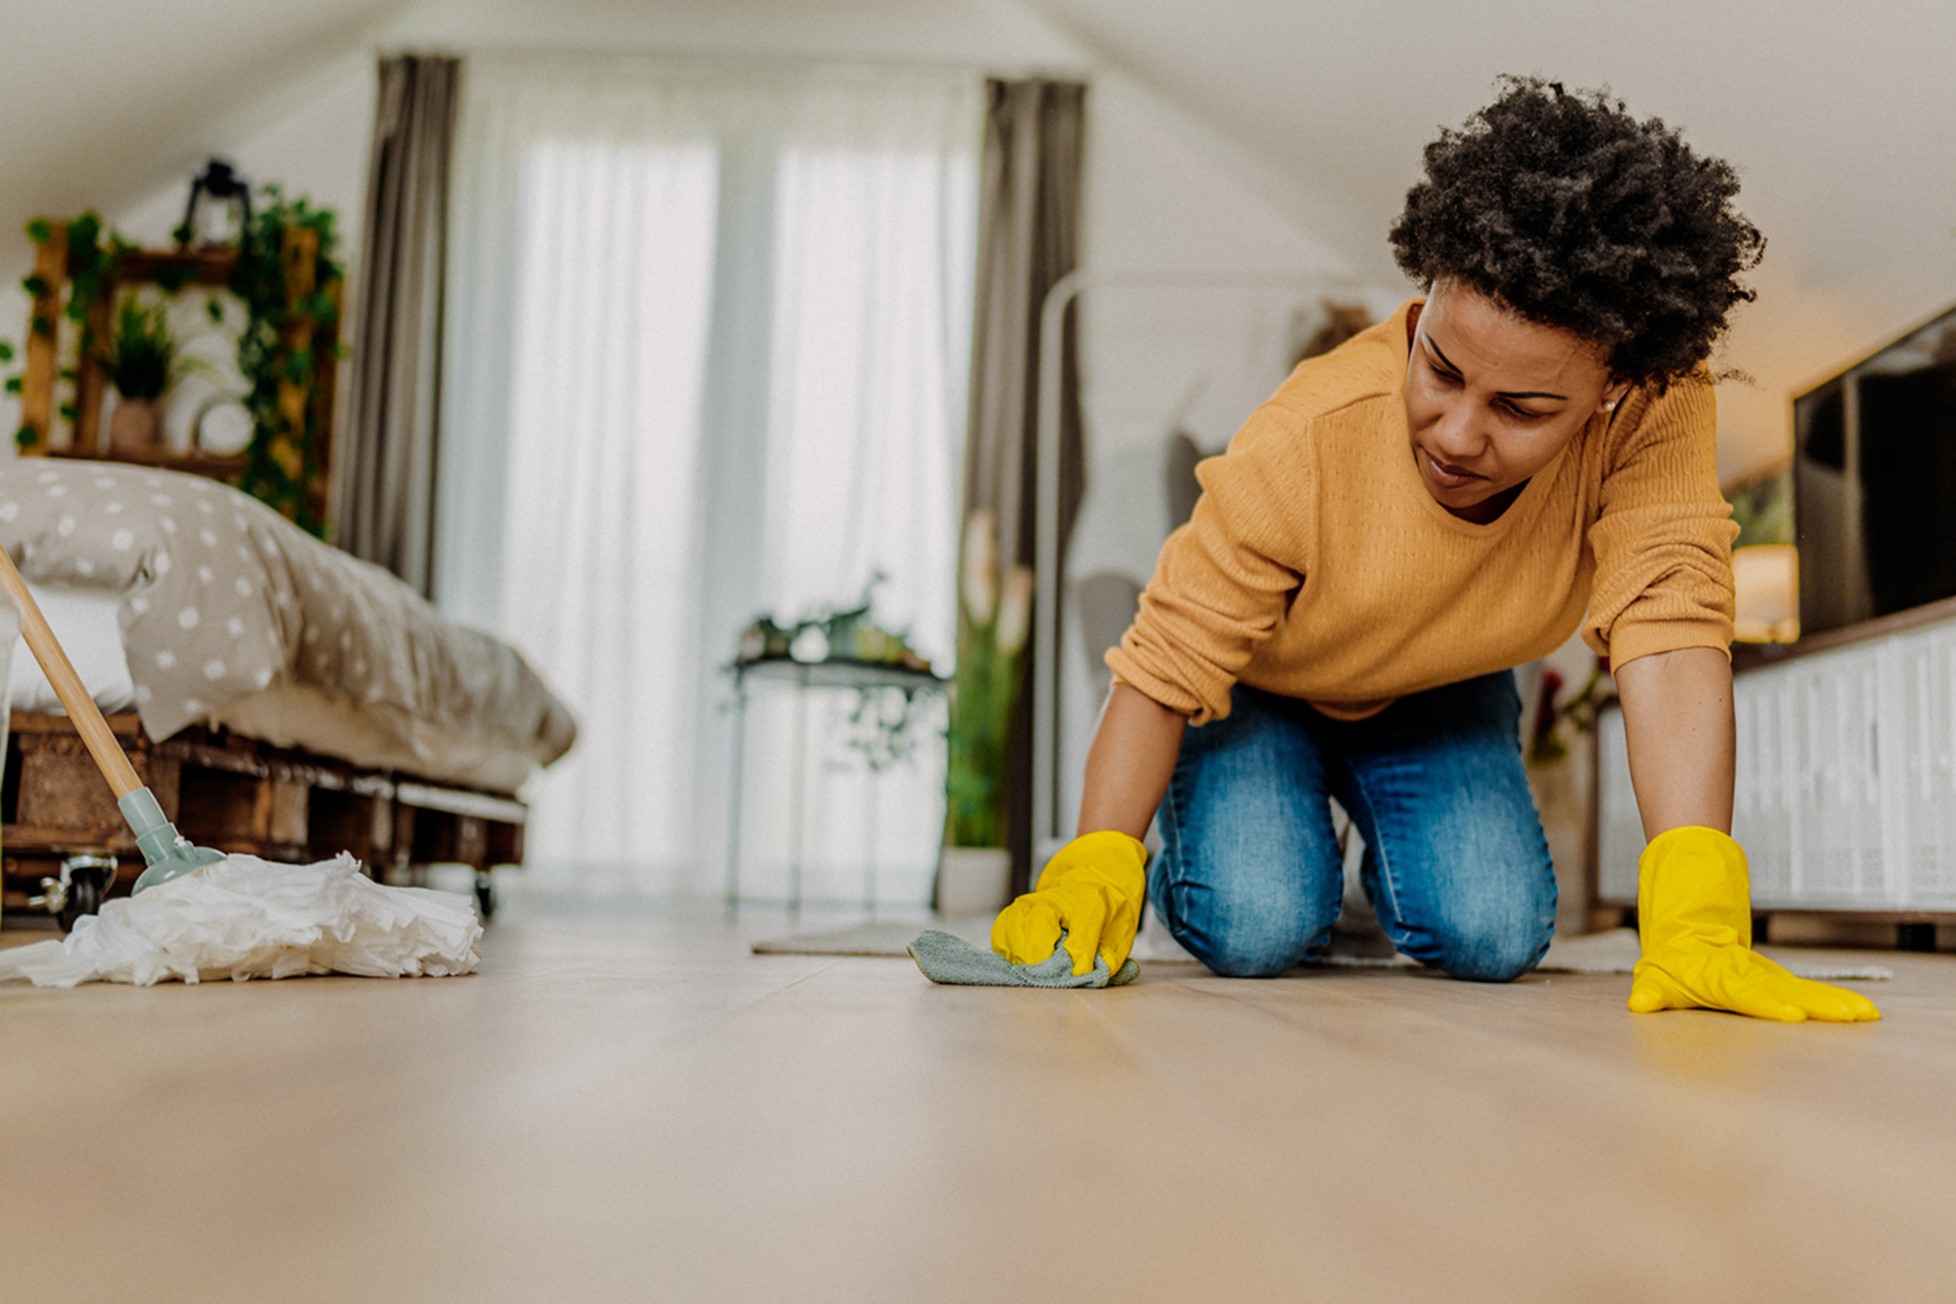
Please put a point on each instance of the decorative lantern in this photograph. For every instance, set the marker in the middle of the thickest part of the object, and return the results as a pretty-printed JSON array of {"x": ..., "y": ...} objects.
[{"x": 222, "y": 183}]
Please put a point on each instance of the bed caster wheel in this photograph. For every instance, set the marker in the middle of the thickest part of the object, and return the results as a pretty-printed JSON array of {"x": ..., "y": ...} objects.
[
  {"x": 84, "y": 883},
  {"x": 485, "y": 896}
]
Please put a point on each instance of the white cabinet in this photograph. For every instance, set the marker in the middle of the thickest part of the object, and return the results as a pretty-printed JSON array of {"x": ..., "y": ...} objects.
[
  {"x": 1764, "y": 797},
  {"x": 1924, "y": 803},
  {"x": 1833, "y": 772},
  {"x": 1845, "y": 792}
]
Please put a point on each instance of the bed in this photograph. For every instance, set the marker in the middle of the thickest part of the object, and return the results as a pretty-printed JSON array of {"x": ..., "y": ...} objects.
[{"x": 280, "y": 696}]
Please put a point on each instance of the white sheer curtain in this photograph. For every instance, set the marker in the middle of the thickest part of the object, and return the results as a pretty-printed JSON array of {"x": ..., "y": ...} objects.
[{"x": 709, "y": 337}]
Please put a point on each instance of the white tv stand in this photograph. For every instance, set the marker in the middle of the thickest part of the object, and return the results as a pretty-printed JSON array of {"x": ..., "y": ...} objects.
[{"x": 1846, "y": 781}]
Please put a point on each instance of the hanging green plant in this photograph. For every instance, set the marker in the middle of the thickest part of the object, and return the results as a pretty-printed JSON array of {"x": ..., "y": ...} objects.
[
  {"x": 91, "y": 264},
  {"x": 277, "y": 353}
]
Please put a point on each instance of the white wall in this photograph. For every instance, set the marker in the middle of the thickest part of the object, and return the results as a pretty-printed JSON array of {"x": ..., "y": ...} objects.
[{"x": 311, "y": 139}]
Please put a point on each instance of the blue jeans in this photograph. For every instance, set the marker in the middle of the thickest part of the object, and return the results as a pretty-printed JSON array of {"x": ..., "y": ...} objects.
[{"x": 1250, "y": 877}]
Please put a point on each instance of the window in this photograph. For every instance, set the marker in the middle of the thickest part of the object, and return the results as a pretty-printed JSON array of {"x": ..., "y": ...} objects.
[{"x": 708, "y": 338}]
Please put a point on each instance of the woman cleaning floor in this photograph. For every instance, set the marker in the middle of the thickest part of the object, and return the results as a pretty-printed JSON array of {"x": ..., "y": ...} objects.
[{"x": 1525, "y": 451}]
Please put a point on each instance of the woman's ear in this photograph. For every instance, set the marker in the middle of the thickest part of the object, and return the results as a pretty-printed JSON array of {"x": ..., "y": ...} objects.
[{"x": 1612, "y": 395}]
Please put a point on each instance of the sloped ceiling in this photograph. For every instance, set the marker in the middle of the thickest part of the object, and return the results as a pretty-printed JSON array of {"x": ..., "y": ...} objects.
[
  {"x": 113, "y": 91},
  {"x": 1839, "y": 117},
  {"x": 1831, "y": 112}
]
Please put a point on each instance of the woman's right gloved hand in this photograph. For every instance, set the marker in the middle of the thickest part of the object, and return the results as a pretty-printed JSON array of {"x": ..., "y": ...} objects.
[
  {"x": 1694, "y": 917},
  {"x": 1091, "y": 890}
]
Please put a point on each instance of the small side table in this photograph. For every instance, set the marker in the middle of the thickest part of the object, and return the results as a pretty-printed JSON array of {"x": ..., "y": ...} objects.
[{"x": 803, "y": 677}]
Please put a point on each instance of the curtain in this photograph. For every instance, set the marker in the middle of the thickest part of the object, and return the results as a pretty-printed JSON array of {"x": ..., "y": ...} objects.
[
  {"x": 387, "y": 457},
  {"x": 1029, "y": 221},
  {"x": 709, "y": 330}
]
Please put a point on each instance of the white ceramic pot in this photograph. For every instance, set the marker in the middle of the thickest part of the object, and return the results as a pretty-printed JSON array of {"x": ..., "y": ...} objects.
[{"x": 973, "y": 880}]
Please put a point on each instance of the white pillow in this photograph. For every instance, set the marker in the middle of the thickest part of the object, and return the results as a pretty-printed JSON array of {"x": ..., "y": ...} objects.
[{"x": 84, "y": 620}]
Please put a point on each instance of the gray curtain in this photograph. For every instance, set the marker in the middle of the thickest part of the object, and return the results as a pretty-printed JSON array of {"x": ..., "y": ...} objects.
[
  {"x": 386, "y": 472},
  {"x": 1028, "y": 234}
]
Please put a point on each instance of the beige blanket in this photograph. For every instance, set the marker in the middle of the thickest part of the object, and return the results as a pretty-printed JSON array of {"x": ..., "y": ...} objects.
[{"x": 223, "y": 600}]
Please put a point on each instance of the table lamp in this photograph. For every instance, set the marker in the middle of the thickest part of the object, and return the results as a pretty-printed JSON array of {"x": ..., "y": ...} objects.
[{"x": 1767, "y": 577}]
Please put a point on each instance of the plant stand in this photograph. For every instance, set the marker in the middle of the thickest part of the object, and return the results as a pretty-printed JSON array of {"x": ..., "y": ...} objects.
[{"x": 804, "y": 678}]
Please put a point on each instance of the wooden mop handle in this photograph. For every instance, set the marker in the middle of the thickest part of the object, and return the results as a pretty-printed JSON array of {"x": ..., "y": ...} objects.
[{"x": 87, "y": 716}]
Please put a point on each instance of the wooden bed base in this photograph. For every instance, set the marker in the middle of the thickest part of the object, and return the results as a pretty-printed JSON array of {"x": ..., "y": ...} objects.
[{"x": 236, "y": 795}]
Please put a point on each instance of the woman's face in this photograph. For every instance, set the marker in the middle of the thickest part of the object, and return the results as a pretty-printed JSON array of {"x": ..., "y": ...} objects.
[{"x": 1491, "y": 398}]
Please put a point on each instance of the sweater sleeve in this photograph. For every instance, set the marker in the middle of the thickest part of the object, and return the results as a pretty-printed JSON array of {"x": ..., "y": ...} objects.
[
  {"x": 1663, "y": 538},
  {"x": 1225, "y": 579}
]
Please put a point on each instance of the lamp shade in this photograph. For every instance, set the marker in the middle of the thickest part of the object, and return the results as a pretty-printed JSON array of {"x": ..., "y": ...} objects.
[{"x": 1767, "y": 577}]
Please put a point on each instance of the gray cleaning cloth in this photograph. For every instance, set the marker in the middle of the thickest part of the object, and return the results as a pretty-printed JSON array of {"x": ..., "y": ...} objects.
[{"x": 957, "y": 963}]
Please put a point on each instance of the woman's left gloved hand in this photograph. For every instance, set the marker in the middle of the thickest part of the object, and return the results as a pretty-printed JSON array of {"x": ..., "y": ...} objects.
[{"x": 1694, "y": 917}]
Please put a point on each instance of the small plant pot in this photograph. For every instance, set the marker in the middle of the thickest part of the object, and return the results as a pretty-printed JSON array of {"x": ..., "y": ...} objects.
[
  {"x": 135, "y": 426},
  {"x": 973, "y": 880}
]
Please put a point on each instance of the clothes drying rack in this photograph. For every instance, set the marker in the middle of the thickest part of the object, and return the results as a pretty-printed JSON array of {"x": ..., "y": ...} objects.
[{"x": 1068, "y": 291}]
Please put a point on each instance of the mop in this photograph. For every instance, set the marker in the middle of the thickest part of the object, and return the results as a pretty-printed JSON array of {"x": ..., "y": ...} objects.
[{"x": 197, "y": 914}]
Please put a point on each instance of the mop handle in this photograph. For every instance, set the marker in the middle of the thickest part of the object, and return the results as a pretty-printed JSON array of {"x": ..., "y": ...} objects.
[{"x": 87, "y": 716}]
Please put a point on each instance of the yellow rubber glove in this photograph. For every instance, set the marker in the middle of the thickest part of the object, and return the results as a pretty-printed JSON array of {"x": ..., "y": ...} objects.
[
  {"x": 1694, "y": 917},
  {"x": 1091, "y": 890}
]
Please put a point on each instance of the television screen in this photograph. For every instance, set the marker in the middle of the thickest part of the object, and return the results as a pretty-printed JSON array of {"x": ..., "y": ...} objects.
[{"x": 1874, "y": 477}]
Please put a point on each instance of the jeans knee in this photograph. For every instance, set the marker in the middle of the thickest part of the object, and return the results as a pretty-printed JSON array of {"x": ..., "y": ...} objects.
[
  {"x": 1490, "y": 950},
  {"x": 1236, "y": 959},
  {"x": 1251, "y": 948}
]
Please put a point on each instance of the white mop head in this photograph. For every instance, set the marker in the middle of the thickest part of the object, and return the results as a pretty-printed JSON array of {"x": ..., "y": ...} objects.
[{"x": 243, "y": 917}]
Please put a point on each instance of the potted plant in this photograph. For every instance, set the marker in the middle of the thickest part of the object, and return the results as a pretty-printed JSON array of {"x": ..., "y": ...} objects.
[
  {"x": 974, "y": 873},
  {"x": 140, "y": 361}
]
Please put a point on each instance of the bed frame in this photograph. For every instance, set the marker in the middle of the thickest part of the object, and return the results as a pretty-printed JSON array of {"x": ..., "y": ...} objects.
[{"x": 63, "y": 844}]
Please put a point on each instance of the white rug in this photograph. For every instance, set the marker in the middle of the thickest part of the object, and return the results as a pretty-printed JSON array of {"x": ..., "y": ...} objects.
[{"x": 1611, "y": 952}]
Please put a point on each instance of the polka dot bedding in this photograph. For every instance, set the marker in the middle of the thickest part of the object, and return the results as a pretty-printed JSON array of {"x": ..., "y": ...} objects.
[{"x": 221, "y": 598}]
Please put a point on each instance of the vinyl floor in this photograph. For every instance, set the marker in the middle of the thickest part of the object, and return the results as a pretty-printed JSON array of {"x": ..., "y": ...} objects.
[{"x": 626, "y": 1105}]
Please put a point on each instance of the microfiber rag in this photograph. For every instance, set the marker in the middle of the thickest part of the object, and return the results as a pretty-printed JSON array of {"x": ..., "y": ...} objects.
[{"x": 957, "y": 963}]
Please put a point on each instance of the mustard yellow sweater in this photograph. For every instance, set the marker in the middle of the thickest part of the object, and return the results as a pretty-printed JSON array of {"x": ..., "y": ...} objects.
[{"x": 1317, "y": 566}]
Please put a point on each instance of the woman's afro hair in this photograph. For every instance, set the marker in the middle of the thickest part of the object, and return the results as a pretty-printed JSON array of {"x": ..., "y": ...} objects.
[{"x": 1572, "y": 213}]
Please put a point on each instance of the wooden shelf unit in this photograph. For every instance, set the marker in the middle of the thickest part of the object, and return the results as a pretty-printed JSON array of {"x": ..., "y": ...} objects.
[{"x": 211, "y": 267}]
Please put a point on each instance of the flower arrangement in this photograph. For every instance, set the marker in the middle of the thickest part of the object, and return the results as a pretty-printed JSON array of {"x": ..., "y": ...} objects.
[
  {"x": 1553, "y": 717},
  {"x": 887, "y": 718},
  {"x": 840, "y": 634},
  {"x": 994, "y": 620}
]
